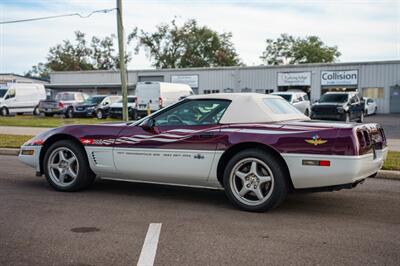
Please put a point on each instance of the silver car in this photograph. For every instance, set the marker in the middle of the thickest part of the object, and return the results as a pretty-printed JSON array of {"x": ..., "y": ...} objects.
[{"x": 297, "y": 99}]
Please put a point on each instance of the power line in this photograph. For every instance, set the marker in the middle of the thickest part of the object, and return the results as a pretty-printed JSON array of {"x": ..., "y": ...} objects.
[{"x": 59, "y": 16}]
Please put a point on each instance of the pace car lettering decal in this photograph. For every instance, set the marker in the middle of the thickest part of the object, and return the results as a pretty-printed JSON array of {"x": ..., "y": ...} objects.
[{"x": 316, "y": 140}]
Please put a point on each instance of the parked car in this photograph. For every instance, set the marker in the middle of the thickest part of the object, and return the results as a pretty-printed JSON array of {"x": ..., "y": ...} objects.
[
  {"x": 370, "y": 106},
  {"x": 156, "y": 95},
  {"x": 297, "y": 99},
  {"x": 343, "y": 106},
  {"x": 103, "y": 109},
  {"x": 19, "y": 98},
  {"x": 96, "y": 105},
  {"x": 116, "y": 108},
  {"x": 63, "y": 103},
  {"x": 256, "y": 147}
]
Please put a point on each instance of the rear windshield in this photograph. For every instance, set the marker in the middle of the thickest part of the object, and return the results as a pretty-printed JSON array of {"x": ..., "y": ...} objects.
[
  {"x": 287, "y": 97},
  {"x": 65, "y": 97},
  {"x": 334, "y": 98},
  {"x": 280, "y": 106},
  {"x": 2, "y": 93}
]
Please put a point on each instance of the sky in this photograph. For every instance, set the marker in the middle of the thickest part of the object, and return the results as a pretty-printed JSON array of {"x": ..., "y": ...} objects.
[{"x": 362, "y": 30}]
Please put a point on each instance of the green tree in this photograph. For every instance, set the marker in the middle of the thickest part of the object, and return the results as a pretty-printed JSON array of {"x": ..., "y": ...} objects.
[
  {"x": 290, "y": 50},
  {"x": 99, "y": 54},
  {"x": 189, "y": 45}
]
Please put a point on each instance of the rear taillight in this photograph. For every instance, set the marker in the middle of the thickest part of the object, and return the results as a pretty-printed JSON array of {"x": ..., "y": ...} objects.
[
  {"x": 160, "y": 102},
  {"x": 61, "y": 105}
]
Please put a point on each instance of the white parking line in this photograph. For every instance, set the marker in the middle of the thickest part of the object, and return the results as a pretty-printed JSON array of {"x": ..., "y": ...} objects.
[{"x": 149, "y": 248}]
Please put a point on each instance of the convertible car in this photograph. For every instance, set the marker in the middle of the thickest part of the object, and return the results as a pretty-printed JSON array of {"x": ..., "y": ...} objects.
[{"x": 256, "y": 147}]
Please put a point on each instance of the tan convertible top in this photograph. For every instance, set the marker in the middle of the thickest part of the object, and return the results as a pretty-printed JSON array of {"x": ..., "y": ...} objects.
[{"x": 249, "y": 108}]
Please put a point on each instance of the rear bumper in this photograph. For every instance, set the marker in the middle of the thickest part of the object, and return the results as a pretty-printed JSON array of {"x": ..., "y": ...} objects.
[
  {"x": 31, "y": 160},
  {"x": 342, "y": 169}
]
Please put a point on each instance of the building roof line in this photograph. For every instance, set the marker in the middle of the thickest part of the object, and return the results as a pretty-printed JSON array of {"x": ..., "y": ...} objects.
[{"x": 237, "y": 67}]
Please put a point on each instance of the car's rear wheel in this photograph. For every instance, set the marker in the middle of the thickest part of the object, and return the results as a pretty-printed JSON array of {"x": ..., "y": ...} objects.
[
  {"x": 254, "y": 180},
  {"x": 66, "y": 167},
  {"x": 347, "y": 118},
  {"x": 69, "y": 113},
  {"x": 361, "y": 119},
  {"x": 36, "y": 111}
]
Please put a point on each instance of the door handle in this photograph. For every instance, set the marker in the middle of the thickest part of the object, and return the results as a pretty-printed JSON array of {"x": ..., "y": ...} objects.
[{"x": 206, "y": 135}]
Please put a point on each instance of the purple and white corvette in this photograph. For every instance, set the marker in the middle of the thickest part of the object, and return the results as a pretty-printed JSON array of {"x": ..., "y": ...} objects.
[{"x": 256, "y": 147}]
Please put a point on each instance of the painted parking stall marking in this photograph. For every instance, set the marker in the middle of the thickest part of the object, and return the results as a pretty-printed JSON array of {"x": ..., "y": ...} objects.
[{"x": 149, "y": 249}]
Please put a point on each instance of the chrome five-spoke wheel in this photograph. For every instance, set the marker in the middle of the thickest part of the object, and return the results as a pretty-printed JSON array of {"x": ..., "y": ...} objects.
[
  {"x": 252, "y": 181},
  {"x": 63, "y": 166}
]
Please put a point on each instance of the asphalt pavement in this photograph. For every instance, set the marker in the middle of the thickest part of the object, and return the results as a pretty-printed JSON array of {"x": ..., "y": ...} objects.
[{"x": 107, "y": 225}]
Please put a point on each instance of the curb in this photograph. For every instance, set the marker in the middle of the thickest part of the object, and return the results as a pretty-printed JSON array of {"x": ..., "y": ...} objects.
[
  {"x": 382, "y": 174},
  {"x": 9, "y": 151}
]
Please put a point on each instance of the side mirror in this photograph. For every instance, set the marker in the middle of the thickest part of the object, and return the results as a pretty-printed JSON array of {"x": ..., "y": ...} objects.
[{"x": 149, "y": 124}]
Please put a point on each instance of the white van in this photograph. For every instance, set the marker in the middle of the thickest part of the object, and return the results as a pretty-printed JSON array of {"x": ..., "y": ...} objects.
[
  {"x": 21, "y": 98},
  {"x": 157, "y": 95}
]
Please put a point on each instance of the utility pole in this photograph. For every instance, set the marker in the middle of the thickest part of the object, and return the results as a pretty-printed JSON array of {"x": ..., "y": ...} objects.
[{"x": 122, "y": 67}]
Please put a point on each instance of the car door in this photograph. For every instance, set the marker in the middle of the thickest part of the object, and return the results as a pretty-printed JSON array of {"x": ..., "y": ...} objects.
[{"x": 176, "y": 145}]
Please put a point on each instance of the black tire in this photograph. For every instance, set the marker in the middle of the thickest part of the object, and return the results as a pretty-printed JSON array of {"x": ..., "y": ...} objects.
[
  {"x": 347, "y": 118},
  {"x": 307, "y": 113},
  {"x": 361, "y": 119},
  {"x": 85, "y": 176},
  {"x": 4, "y": 111},
  {"x": 48, "y": 115},
  {"x": 279, "y": 186},
  {"x": 69, "y": 113},
  {"x": 36, "y": 111},
  {"x": 100, "y": 114}
]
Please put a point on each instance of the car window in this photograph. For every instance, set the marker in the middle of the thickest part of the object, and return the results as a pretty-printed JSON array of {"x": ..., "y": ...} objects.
[
  {"x": 64, "y": 96},
  {"x": 193, "y": 112},
  {"x": 11, "y": 93},
  {"x": 280, "y": 106},
  {"x": 370, "y": 101},
  {"x": 287, "y": 97},
  {"x": 79, "y": 97},
  {"x": 2, "y": 93},
  {"x": 305, "y": 97}
]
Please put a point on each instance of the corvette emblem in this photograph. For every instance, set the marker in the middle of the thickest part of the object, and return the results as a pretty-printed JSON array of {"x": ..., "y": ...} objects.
[{"x": 316, "y": 140}]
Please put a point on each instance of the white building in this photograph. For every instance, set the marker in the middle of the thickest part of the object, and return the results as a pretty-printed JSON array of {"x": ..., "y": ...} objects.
[{"x": 379, "y": 80}]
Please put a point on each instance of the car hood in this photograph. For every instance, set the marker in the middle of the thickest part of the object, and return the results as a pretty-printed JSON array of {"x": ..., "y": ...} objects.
[
  {"x": 86, "y": 105},
  {"x": 328, "y": 104}
]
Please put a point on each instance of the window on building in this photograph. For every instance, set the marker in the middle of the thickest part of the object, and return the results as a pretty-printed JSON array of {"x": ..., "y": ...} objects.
[
  {"x": 375, "y": 93},
  {"x": 210, "y": 91},
  {"x": 246, "y": 90}
]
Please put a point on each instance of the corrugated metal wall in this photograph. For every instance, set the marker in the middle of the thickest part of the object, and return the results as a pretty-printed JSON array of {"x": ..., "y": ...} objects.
[{"x": 374, "y": 74}]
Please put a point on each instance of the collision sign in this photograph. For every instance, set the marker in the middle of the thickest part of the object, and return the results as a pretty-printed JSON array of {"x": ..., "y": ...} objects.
[{"x": 346, "y": 77}]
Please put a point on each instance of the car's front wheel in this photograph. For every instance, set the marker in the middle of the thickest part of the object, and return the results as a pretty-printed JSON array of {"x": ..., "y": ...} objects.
[
  {"x": 254, "y": 180},
  {"x": 100, "y": 114},
  {"x": 66, "y": 166}
]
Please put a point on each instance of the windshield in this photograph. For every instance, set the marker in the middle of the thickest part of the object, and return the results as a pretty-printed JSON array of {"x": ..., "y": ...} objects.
[
  {"x": 334, "y": 98},
  {"x": 2, "y": 93},
  {"x": 130, "y": 100},
  {"x": 94, "y": 99},
  {"x": 287, "y": 97}
]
